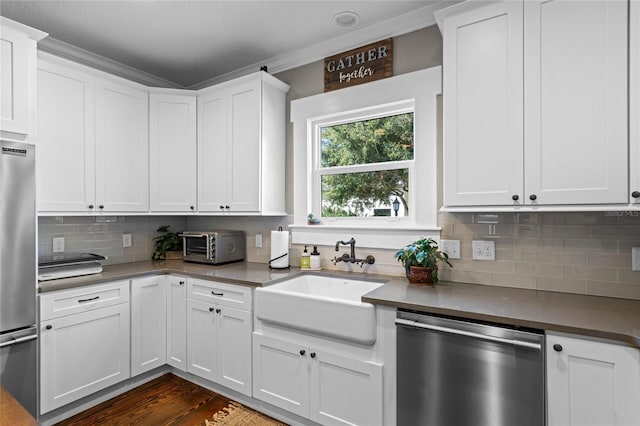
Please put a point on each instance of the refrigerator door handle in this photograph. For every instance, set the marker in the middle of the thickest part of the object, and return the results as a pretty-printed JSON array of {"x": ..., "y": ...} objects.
[{"x": 18, "y": 340}]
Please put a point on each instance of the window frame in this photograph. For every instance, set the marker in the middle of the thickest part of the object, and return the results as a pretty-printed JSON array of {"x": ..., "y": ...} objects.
[
  {"x": 371, "y": 112},
  {"x": 388, "y": 232}
]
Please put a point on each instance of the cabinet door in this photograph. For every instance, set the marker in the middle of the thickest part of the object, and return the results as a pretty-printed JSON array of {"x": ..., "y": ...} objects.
[
  {"x": 14, "y": 81},
  {"x": 148, "y": 324},
  {"x": 234, "y": 349},
  {"x": 576, "y": 101},
  {"x": 592, "y": 383},
  {"x": 634, "y": 104},
  {"x": 83, "y": 353},
  {"x": 281, "y": 374},
  {"x": 177, "y": 322},
  {"x": 201, "y": 339},
  {"x": 172, "y": 136},
  {"x": 213, "y": 165},
  {"x": 344, "y": 391},
  {"x": 65, "y": 155},
  {"x": 483, "y": 106},
  {"x": 243, "y": 151},
  {"x": 122, "y": 148}
]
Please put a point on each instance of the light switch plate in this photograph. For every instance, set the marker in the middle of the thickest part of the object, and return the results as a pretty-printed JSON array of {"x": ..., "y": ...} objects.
[
  {"x": 484, "y": 250},
  {"x": 126, "y": 240},
  {"x": 58, "y": 244},
  {"x": 451, "y": 247},
  {"x": 258, "y": 240},
  {"x": 635, "y": 259}
]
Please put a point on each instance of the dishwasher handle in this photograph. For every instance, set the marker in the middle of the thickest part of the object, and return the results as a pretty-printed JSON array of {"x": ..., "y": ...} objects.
[{"x": 513, "y": 342}]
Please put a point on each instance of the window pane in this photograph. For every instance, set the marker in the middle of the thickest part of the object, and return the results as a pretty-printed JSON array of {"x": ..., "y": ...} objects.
[
  {"x": 366, "y": 194},
  {"x": 371, "y": 141}
]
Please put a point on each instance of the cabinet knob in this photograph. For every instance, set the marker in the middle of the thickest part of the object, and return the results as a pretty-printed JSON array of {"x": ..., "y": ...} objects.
[
  {"x": 227, "y": 207},
  {"x": 302, "y": 352},
  {"x": 91, "y": 206},
  {"x": 312, "y": 354},
  {"x": 49, "y": 327},
  {"x": 192, "y": 207},
  {"x": 181, "y": 282},
  {"x": 533, "y": 197},
  {"x": 557, "y": 347},
  {"x": 211, "y": 309},
  {"x": 635, "y": 194},
  {"x": 218, "y": 311},
  {"x": 221, "y": 207},
  {"x": 101, "y": 206},
  {"x": 515, "y": 197}
]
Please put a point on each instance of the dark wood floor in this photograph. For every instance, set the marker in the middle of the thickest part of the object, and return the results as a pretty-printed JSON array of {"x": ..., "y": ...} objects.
[{"x": 167, "y": 400}]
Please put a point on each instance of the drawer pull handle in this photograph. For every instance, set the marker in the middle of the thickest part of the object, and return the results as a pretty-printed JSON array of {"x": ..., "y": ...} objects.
[
  {"x": 313, "y": 354},
  {"x": 218, "y": 311},
  {"x": 211, "y": 309},
  {"x": 89, "y": 299},
  {"x": 217, "y": 294},
  {"x": 49, "y": 327},
  {"x": 302, "y": 352}
]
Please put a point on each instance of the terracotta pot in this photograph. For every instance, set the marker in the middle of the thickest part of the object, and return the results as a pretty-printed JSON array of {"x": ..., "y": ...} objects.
[
  {"x": 419, "y": 275},
  {"x": 174, "y": 255}
]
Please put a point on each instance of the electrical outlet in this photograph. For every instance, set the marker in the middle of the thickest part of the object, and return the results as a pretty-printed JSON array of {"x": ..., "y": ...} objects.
[
  {"x": 58, "y": 244},
  {"x": 484, "y": 250},
  {"x": 258, "y": 240},
  {"x": 451, "y": 247},
  {"x": 126, "y": 240},
  {"x": 635, "y": 259}
]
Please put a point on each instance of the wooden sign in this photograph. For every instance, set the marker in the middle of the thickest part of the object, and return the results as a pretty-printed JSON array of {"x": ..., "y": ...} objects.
[{"x": 361, "y": 65}]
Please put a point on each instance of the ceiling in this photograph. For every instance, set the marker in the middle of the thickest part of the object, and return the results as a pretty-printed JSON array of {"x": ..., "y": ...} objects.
[{"x": 189, "y": 43}]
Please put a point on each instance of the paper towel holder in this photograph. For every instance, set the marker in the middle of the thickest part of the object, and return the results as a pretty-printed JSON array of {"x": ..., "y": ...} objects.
[{"x": 279, "y": 257}]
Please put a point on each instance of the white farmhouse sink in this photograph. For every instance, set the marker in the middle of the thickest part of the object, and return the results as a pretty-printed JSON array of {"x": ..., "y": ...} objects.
[{"x": 320, "y": 304}]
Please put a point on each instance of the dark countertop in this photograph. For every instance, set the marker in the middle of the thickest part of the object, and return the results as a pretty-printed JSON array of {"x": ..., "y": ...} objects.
[{"x": 604, "y": 317}]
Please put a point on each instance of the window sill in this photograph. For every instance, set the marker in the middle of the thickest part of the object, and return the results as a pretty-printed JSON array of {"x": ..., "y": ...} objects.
[{"x": 383, "y": 237}]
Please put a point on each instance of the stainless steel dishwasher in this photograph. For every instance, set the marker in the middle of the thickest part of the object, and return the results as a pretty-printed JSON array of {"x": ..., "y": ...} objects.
[{"x": 455, "y": 373}]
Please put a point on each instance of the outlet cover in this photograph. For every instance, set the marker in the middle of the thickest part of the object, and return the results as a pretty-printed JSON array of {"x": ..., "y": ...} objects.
[
  {"x": 484, "y": 250},
  {"x": 258, "y": 240},
  {"x": 58, "y": 244},
  {"x": 451, "y": 247},
  {"x": 126, "y": 240},
  {"x": 635, "y": 259}
]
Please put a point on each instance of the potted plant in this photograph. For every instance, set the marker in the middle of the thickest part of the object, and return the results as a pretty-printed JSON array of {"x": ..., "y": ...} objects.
[
  {"x": 167, "y": 246},
  {"x": 420, "y": 260}
]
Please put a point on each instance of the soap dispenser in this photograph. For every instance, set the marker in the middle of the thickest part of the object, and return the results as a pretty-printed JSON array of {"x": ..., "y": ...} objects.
[
  {"x": 305, "y": 259},
  {"x": 315, "y": 259}
]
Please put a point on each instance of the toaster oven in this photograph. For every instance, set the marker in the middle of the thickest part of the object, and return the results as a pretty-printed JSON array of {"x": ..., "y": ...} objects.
[{"x": 213, "y": 247}]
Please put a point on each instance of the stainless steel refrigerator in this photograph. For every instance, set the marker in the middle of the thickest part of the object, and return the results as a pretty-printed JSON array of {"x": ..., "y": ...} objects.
[{"x": 18, "y": 333}]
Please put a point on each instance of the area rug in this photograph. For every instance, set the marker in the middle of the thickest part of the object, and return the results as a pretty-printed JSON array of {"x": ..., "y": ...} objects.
[{"x": 236, "y": 414}]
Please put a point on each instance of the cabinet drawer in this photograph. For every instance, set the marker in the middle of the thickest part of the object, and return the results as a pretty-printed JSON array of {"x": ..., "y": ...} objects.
[
  {"x": 236, "y": 296},
  {"x": 67, "y": 302}
]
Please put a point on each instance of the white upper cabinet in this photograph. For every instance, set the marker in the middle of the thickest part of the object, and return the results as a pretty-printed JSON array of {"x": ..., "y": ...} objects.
[
  {"x": 17, "y": 78},
  {"x": 241, "y": 146},
  {"x": 634, "y": 80},
  {"x": 122, "y": 148},
  {"x": 483, "y": 106},
  {"x": 535, "y": 103},
  {"x": 172, "y": 144},
  {"x": 93, "y": 145}
]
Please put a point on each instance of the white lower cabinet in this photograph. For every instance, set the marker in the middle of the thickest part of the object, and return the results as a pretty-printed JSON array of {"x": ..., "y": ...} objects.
[
  {"x": 219, "y": 341},
  {"x": 82, "y": 352},
  {"x": 148, "y": 323},
  {"x": 177, "y": 321},
  {"x": 591, "y": 382},
  {"x": 323, "y": 386}
]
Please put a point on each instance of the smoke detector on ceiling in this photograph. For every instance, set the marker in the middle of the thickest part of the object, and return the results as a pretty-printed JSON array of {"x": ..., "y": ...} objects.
[{"x": 346, "y": 19}]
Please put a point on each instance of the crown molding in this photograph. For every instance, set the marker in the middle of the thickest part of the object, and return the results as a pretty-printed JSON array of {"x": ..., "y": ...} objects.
[
  {"x": 393, "y": 27},
  {"x": 82, "y": 56}
]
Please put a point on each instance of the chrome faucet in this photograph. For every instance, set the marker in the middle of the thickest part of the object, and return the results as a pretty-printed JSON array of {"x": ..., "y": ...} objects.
[{"x": 351, "y": 258}]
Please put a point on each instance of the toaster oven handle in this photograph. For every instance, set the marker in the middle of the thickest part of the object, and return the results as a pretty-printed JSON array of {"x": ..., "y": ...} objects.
[{"x": 194, "y": 235}]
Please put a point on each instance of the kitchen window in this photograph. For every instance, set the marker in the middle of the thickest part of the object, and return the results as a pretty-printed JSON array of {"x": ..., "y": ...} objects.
[
  {"x": 363, "y": 154},
  {"x": 363, "y": 168}
]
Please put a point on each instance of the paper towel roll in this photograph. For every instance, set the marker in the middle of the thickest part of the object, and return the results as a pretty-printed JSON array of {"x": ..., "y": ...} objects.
[{"x": 279, "y": 249}]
